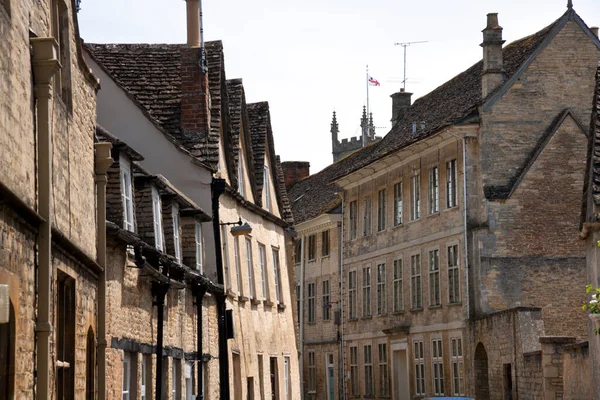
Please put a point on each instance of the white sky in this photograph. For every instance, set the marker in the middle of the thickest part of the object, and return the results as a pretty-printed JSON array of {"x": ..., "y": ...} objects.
[{"x": 307, "y": 58}]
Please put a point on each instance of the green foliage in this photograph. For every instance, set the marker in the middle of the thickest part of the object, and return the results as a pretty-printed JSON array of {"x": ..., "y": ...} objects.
[{"x": 593, "y": 305}]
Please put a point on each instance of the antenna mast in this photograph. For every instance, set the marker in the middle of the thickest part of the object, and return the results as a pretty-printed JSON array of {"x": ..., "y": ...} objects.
[{"x": 405, "y": 45}]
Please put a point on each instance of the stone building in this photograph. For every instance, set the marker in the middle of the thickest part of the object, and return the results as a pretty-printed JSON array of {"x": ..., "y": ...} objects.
[
  {"x": 590, "y": 224},
  {"x": 160, "y": 300},
  {"x": 174, "y": 104},
  {"x": 341, "y": 149},
  {"x": 458, "y": 228},
  {"x": 50, "y": 176}
]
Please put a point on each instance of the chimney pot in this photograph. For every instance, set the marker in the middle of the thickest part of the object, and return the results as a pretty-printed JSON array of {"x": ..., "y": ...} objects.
[
  {"x": 193, "y": 23},
  {"x": 492, "y": 20},
  {"x": 594, "y": 30},
  {"x": 400, "y": 105},
  {"x": 493, "y": 63}
]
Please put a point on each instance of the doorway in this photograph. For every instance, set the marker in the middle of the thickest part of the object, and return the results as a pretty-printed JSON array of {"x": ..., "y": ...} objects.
[
  {"x": 237, "y": 377},
  {"x": 482, "y": 382},
  {"x": 400, "y": 377},
  {"x": 274, "y": 379}
]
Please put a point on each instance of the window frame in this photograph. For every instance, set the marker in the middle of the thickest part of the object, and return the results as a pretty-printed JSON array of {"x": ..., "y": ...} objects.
[
  {"x": 311, "y": 294},
  {"x": 326, "y": 297},
  {"x": 416, "y": 282},
  {"x": 366, "y": 291},
  {"x": 368, "y": 365},
  {"x": 419, "y": 367},
  {"x": 199, "y": 246},
  {"x": 238, "y": 264},
  {"x": 312, "y": 247},
  {"x": 398, "y": 290},
  {"x": 457, "y": 366},
  {"x": 437, "y": 365},
  {"x": 434, "y": 190},
  {"x": 384, "y": 378},
  {"x": 267, "y": 188},
  {"x": 176, "y": 231},
  {"x": 415, "y": 205},
  {"x": 354, "y": 378},
  {"x": 240, "y": 182},
  {"x": 398, "y": 204},
  {"x": 381, "y": 209},
  {"x": 451, "y": 184},
  {"x": 352, "y": 294},
  {"x": 275, "y": 253},
  {"x": 262, "y": 259},
  {"x": 353, "y": 219},
  {"x": 157, "y": 219},
  {"x": 453, "y": 262},
  {"x": 325, "y": 243},
  {"x": 126, "y": 193},
  {"x": 367, "y": 216},
  {"x": 435, "y": 298},
  {"x": 312, "y": 372},
  {"x": 381, "y": 289},
  {"x": 250, "y": 268}
]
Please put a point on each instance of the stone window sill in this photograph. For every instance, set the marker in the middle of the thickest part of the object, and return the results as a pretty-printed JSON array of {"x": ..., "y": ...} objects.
[
  {"x": 435, "y": 306},
  {"x": 242, "y": 299},
  {"x": 352, "y": 319},
  {"x": 281, "y": 307},
  {"x": 459, "y": 303},
  {"x": 255, "y": 302},
  {"x": 399, "y": 312},
  {"x": 231, "y": 294},
  {"x": 268, "y": 303},
  {"x": 418, "y": 309},
  {"x": 367, "y": 317}
]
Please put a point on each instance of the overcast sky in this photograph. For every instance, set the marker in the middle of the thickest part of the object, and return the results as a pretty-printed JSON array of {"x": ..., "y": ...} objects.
[{"x": 308, "y": 58}]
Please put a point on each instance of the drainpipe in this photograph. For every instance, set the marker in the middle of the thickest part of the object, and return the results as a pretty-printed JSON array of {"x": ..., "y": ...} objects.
[
  {"x": 200, "y": 292},
  {"x": 466, "y": 238},
  {"x": 342, "y": 348},
  {"x": 45, "y": 64},
  {"x": 103, "y": 162},
  {"x": 159, "y": 291},
  {"x": 217, "y": 188},
  {"x": 301, "y": 316}
]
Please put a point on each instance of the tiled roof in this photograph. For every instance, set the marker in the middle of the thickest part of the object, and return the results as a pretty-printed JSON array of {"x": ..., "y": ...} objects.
[
  {"x": 236, "y": 99},
  {"x": 219, "y": 111},
  {"x": 258, "y": 116},
  {"x": 453, "y": 102}
]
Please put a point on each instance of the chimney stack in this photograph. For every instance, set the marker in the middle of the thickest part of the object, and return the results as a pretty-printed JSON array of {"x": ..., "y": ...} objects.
[
  {"x": 594, "y": 30},
  {"x": 193, "y": 23},
  {"x": 293, "y": 171},
  {"x": 493, "y": 66},
  {"x": 400, "y": 105}
]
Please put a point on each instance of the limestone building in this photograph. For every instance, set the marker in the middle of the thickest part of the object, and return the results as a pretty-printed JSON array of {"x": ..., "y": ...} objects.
[
  {"x": 461, "y": 272},
  {"x": 51, "y": 193},
  {"x": 174, "y": 104}
]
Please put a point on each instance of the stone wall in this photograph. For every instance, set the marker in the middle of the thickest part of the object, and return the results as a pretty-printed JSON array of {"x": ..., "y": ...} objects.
[
  {"x": 531, "y": 379},
  {"x": 578, "y": 377}
]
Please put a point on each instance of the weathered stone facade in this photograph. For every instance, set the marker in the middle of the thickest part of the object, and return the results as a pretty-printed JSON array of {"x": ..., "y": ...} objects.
[
  {"x": 71, "y": 270},
  {"x": 489, "y": 179}
]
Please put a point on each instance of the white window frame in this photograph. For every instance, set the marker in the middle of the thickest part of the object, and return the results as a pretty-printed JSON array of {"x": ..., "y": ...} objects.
[
  {"x": 398, "y": 204},
  {"x": 286, "y": 373},
  {"x": 312, "y": 372},
  {"x": 250, "y": 268},
  {"x": 437, "y": 362},
  {"x": 199, "y": 240},
  {"x": 267, "y": 188},
  {"x": 355, "y": 384},
  {"x": 326, "y": 293},
  {"x": 398, "y": 289},
  {"x": 311, "y": 294},
  {"x": 176, "y": 234},
  {"x": 352, "y": 294},
  {"x": 262, "y": 255},
  {"x": 451, "y": 195},
  {"x": 157, "y": 219},
  {"x": 367, "y": 216},
  {"x": 366, "y": 291},
  {"x": 146, "y": 369},
  {"x": 276, "y": 273},
  {"x": 434, "y": 190},
  {"x": 176, "y": 379},
  {"x": 419, "y": 365},
  {"x": 384, "y": 379},
  {"x": 236, "y": 257},
  {"x": 226, "y": 265},
  {"x": 126, "y": 193},
  {"x": 456, "y": 361},
  {"x": 416, "y": 282},
  {"x": 415, "y": 193},
  {"x": 453, "y": 275},
  {"x": 381, "y": 209},
  {"x": 435, "y": 297},
  {"x": 368, "y": 363},
  {"x": 126, "y": 384},
  {"x": 241, "y": 177},
  {"x": 381, "y": 290}
]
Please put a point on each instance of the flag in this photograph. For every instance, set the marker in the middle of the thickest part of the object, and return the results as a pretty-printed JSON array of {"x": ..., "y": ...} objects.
[{"x": 373, "y": 81}]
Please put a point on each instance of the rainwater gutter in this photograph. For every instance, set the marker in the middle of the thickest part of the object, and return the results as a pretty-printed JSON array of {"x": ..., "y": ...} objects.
[{"x": 45, "y": 64}]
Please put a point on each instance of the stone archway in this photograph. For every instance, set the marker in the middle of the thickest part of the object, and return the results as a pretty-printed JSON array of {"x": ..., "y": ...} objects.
[{"x": 482, "y": 381}]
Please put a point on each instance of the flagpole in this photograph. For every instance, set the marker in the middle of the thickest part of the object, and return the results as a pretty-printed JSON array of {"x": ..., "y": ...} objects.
[{"x": 367, "y": 80}]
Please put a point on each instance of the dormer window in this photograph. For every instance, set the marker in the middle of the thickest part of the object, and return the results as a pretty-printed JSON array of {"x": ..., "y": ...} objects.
[
  {"x": 176, "y": 237},
  {"x": 266, "y": 188},
  {"x": 126, "y": 193},
  {"x": 157, "y": 216},
  {"x": 240, "y": 174},
  {"x": 199, "y": 248}
]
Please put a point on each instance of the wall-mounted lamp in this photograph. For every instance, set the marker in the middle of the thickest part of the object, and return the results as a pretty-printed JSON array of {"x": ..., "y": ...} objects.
[{"x": 241, "y": 230}]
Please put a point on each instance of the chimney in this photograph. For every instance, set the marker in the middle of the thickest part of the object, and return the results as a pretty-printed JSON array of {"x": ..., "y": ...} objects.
[
  {"x": 293, "y": 171},
  {"x": 493, "y": 67},
  {"x": 195, "y": 112},
  {"x": 594, "y": 30},
  {"x": 193, "y": 23},
  {"x": 400, "y": 105}
]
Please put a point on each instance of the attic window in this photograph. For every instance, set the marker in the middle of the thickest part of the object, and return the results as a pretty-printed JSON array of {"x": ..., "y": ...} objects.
[
  {"x": 176, "y": 237},
  {"x": 199, "y": 248},
  {"x": 60, "y": 31},
  {"x": 157, "y": 216},
  {"x": 240, "y": 173},
  {"x": 266, "y": 188},
  {"x": 126, "y": 193}
]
